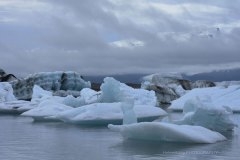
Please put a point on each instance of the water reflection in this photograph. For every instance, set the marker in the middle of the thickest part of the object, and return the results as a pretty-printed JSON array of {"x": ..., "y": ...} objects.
[{"x": 21, "y": 138}]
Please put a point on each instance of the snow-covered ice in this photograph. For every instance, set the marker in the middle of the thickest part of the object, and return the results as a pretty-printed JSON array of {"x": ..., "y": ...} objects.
[
  {"x": 160, "y": 131},
  {"x": 220, "y": 96}
]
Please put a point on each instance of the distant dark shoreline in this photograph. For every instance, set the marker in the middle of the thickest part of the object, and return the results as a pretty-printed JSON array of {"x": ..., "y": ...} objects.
[{"x": 96, "y": 86}]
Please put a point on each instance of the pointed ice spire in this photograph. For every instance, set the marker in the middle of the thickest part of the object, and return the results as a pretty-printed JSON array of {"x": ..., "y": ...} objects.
[{"x": 129, "y": 115}]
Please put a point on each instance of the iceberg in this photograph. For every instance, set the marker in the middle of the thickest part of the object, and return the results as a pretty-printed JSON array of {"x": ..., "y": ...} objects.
[
  {"x": 114, "y": 91},
  {"x": 129, "y": 116},
  {"x": 204, "y": 113},
  {"x": 6, "y": 92},
  {"x": 89, "y": 95},
  {"x": 160, "y": 131},
  {"x": 110, "y": 91},
  {"x": 106, "y": 113},
  {"x": 60, "y": 83},
  {"x": 8, "y": 102},
  {"x": 169, "y": 87},
  {"x": 73, "y": 102},
  {"x": 220, "y": 96},
  {"x": 46, "y": 111}
]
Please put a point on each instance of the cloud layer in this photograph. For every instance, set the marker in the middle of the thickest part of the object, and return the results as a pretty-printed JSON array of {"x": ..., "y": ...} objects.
[{"x": 117, "y": 36}]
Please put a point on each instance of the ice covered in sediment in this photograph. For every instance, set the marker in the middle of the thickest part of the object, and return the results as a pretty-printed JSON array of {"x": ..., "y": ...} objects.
[
  {"x": 46, "y": 110},
  {"x": 106, "y": 113},
  {"x": 160, "y": 131},
  {"x": 114, "y": 91},
  {"x": 204, "y": 113},
  {"x": 220, "y": 96},
  {"x": 60, "y": 83}
]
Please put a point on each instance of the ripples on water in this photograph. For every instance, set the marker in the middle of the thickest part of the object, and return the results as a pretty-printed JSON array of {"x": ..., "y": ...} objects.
[{"x": 22, "y": 139}]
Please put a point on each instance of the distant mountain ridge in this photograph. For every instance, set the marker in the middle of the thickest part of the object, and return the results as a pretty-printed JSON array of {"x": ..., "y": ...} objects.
[{"x": 215, "y": 76}]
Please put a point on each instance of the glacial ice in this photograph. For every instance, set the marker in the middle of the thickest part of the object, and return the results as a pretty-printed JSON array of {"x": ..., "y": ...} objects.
[
  {"x": 106, "y": 113},
  {"x": 6, "y": 92},
  {"x": 160, "y": 131},
  {"x": 74, "y": 102},
  {"x": 114, "y": 91},
  {"x": 204, "y": 113},
  {"x": 89, "y": 95},
  {"x": 60, "y": 83},
  {"x": 129, "y": 116},
  {"x": 110, "y": 91},
  {"x": 46, "y": 111},
  {"x": 221, "y": 96},
  {"x": 8, "y": 102}
]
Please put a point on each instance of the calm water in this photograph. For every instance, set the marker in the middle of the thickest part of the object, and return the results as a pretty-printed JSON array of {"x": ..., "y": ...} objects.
[{"x": 22, "y": 139}]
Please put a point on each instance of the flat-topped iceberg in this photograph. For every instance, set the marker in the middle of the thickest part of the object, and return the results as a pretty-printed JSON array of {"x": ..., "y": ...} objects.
[
  {"x": 220, "y": 96},
  {"x": 159, "y": 131},
  {"x": 106, "y": 113},
  {"x": 46, "y": 111}
]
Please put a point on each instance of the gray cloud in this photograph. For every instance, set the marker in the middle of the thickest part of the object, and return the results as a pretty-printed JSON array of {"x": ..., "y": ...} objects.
[{"x": 76, "y": 35}]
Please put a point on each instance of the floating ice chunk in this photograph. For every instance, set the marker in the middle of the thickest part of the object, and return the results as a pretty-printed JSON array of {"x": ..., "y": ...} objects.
[
  {"x": 206, "y": 114},
  {"x": 159, "y": 131},
  {"x": 60, "y": 83},
  {"x": 14, "y": 107},
  {"x": 129, "y": 116},
  {"x": 74, "y": 102},
  {"x": 106, "y": 113},
  {"x": 6, "y": 92},
  {"x": 140, "y": 96},
  {"x": 220, "y": 96},
  {"x": 46, "y": 111},
  {"x": 114, "y": 91},
  {"x": 89, "y": 95},
  {"x": 110, "y": 91},
  {"x": 40, "y": 94}
]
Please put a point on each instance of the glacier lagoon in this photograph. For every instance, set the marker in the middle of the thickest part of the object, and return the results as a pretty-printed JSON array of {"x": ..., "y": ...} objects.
[{"x": 21, "y": 138}]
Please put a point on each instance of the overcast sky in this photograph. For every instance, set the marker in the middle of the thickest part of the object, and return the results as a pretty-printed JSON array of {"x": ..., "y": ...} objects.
[{"x": 118, "y": 36}]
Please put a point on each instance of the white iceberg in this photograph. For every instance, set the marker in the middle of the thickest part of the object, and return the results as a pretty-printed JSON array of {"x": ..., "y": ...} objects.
[
  {"x": 46, "y": 111},
  {"x": 206, "y": 114},
  {"x": 159, "y": 131},
  {"x": 220, "y": 96},
  {"x": 114, "y": 91},
  {"x": 74, "y": 102},
  {"x": 106, "y": 113},
  {"x": 8, "y": 102},
  {"x": 6, "y": 92},
  {"x": 89, "y": 95}
]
